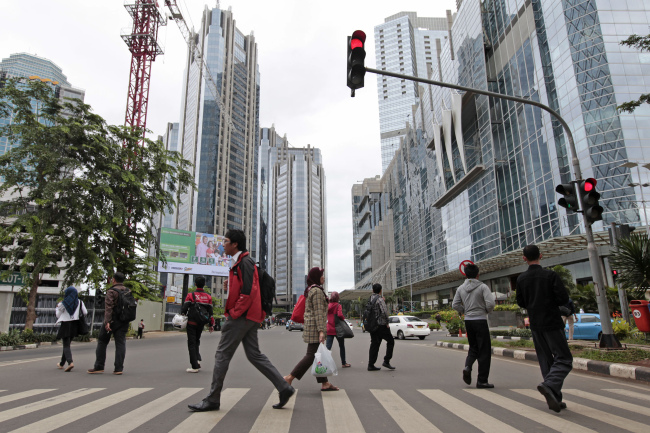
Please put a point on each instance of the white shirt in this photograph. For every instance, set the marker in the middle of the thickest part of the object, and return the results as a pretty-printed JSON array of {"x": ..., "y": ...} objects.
[
  {"x": 234, "y": 259},
  {"x": 63, "y": 316}
]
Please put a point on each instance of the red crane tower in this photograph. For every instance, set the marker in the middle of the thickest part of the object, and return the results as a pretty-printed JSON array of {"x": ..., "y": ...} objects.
[{"x": 143, "y": 44}]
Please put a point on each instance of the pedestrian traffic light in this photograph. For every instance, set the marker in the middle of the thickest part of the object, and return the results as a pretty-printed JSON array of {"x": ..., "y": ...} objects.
[
  {"x": 626, "y": 230},
  {"x": 356, "y": 60},
  {"x": 570, "y": 199},
  {"x": 614, "y": 274},
  {"x": 591, "y": 209}
]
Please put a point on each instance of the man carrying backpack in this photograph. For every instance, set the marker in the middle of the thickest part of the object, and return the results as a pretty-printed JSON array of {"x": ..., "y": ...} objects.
[
  {"x": 199, "y": 306},
  {"x": 244, "y": 313},
  {"x": 379, "y": 330},
  {"x": 114, "y": 324}
]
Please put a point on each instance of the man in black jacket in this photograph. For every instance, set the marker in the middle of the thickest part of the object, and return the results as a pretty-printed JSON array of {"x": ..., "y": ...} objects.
[{"x": 542, "y": 292}]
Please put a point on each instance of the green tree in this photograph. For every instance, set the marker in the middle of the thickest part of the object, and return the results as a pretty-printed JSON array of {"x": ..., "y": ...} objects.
[
  {"x": 632, "y": 260},
  {"x": 402, "y": 294},
  {"x": 78, "y": 195},
  {"x": 566, "y": 277},
  {"x": 641, "y": 43}
]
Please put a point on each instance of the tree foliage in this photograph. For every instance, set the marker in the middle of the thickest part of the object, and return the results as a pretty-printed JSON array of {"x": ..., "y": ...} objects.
[
  {"x": 79, "y": 195},
  {"x": 641, "y": 43},
  {"x": 632, "y": 260}
]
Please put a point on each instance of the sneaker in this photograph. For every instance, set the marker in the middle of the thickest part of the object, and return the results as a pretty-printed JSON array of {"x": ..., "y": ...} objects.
[
  {"x": 117, "y": 373},
  {"x": 192, "y": 370},
  {"x": 95, "y": 371}
]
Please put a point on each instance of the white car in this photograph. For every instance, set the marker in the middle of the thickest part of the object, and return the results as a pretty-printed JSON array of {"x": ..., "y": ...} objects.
[{"x": 408, "y": 326}]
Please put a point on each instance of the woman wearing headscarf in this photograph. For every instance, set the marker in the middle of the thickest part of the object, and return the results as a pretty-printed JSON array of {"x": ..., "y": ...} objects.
[
  {"x": 315, "y": 328},
  {"x": 67, "y": 313},
  {"x": 335, "y": 310}
]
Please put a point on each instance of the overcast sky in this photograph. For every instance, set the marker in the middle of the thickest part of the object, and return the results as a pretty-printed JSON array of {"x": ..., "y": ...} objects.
[{"x": 301, "y": 47}]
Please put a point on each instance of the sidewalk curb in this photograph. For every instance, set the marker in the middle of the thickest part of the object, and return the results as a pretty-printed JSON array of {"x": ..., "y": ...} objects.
[
  {"x": 502, "y": 337},
  {"x": 607, "y": 368}
]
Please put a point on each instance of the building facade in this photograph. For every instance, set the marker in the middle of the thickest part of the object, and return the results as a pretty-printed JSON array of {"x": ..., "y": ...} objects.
[
  {"x": 474, "y": 177},
  {"x": 404, "y": 43},
  {"x": 292, "y": 222}
]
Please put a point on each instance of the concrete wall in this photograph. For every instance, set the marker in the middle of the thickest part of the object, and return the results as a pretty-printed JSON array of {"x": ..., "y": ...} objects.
[
  {"x": 152, "y": 313},
  {"x": 6, "y": 301}
]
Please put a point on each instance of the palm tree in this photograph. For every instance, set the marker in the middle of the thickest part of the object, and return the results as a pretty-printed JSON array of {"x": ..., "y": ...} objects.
[
  {"x": 632, "y": 260},
  {"x": 390, "y": 300}
]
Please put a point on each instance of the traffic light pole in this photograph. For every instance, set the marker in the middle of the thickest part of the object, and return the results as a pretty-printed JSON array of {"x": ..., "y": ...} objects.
[{"x": 607, "y": 338}]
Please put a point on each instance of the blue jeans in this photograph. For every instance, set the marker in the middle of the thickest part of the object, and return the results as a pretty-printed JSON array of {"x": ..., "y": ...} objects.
[{"x": 330, "y": 342}]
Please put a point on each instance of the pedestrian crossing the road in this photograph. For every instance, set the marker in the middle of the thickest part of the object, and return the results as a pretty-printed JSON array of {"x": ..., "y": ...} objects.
[{"x": 421, "y": 410}]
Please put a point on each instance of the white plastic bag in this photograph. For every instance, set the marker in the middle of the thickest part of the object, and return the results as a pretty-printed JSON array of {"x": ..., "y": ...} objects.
[
  {"x": 179, "y": 321},
  {"x": 324, "y": 364}
]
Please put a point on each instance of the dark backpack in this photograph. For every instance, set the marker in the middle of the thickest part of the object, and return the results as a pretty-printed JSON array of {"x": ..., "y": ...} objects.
[
  {"x": 124, "y": 310},
  {"x": 370, "y": 316},
  {"x": 199, "y": 313},
  {"x": 267, "y": 290}
]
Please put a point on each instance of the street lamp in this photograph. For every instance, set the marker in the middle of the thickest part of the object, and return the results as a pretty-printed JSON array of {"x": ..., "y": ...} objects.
[{"x": 641, "y": 186}]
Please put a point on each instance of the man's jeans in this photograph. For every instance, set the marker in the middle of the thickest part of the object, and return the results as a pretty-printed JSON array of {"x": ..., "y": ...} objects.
[{"x": 119, "y": 332}]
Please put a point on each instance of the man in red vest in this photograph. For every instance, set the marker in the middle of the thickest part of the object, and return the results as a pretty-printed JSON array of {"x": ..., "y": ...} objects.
[{"x": 243, "y": 317}]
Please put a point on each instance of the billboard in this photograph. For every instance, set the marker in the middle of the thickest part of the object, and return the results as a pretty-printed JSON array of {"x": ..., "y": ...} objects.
[{"x": 193, "y": 253}]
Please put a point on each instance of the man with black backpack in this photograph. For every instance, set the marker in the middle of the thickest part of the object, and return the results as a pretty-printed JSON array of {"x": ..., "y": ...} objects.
[
  {"x": 198, "y": 308},
  {"x": 375, "y": 321},
  {"x": 119, "y": 310}
]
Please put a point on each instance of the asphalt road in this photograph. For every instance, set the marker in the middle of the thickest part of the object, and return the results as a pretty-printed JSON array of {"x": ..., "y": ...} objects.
[{"x": 424, "y": 394}]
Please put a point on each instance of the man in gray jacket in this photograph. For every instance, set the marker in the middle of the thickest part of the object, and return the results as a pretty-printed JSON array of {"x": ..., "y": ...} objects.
[{"x": 475, "y": 300}]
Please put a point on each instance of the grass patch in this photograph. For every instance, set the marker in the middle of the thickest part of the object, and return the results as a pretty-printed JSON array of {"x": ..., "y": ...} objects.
[
  {"x": 619, "y": 356},
  {"x": 498, "y": 343}
]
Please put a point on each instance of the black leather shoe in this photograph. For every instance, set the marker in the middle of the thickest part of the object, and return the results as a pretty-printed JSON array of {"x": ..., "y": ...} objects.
[
  {"x": 467, "y": 376},
  {"x": 562, "y": 405},
  {"x": 373, "y": 368},
  {"x": 285, "y": 395},
  {"x": 388, "y": 366},
  {"x": 204, "y": 406},
  {"x": 551, "y": 400},
  {"x": 484, "y": 385}
]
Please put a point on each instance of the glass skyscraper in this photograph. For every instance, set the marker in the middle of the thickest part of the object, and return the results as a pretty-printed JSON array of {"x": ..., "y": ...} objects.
[
  {"x": 292, "y": 217},
  {"x": 474, "y": 177}
]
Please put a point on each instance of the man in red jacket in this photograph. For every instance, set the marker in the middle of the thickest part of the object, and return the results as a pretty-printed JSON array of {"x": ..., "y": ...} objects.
[
  {"x": 243, "y": 317},
  {"x": 196, "y": 299}
]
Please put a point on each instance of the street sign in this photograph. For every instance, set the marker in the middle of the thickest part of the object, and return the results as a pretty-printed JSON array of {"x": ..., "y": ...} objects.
[
  {"x": 15, "y": 279},
  {"x": 171, "y": 299},
  {"x": 462, "y": 265}
]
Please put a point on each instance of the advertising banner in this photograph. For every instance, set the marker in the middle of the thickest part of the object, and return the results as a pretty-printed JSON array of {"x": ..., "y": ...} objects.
[{"x": 193, "y": 253}]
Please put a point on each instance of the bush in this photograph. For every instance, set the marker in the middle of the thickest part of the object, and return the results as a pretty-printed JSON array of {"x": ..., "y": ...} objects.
[
  {"x": 621, "y": 328},
  {"x": 28, "y": 336},
  {"x": 425, "y": 314},
  {"x": 447, "y": 315},
  {"x": 11, "y": 338},
  {"x": 434, "y": 326},
  {"x": 514, "y": 332},
  {"x": 507, "y": 307},
  {"x": 455, "y": 324}
]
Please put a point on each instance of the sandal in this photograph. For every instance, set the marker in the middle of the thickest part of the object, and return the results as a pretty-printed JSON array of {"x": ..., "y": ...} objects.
[
  {"x": 346, "y": 365},
  {"x": 330, "y": 388}
]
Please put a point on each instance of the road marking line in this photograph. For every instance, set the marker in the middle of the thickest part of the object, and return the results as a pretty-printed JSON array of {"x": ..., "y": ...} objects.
[
  {"x": 24, "y": 361},
  {"x": 64, "y": 418},
  {"x": 134, "y": 419},
  {"x": 340, "y": 415},
  {"x": 475, "y": 417},
  {"x": 627, "y": 393},
  {"x": 545, "y": 418},
  {"x": 407, "y": 418},
  {"x": 274, "y": 420},
  {"x": 24, "y": 394},
  {"x": 205, "y": 421},
  {"x": 615, "y": 420},
  {"x": 52, "y": 401},
  {"x": 610, "y": 401}
]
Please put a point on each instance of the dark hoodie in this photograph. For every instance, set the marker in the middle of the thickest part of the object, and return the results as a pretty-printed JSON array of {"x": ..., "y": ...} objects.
[{"x": 474, "y": 299}]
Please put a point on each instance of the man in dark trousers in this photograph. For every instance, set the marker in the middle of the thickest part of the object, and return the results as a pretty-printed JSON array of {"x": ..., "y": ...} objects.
[
  {"x": 112, "y": 326},
  {"x": 194, "y": 300},
  {"x": 381, "y": 333},
  {"x": 542, "y": 292},
  {"x": 475, "y": 301},
  {"x": 244, "y": 314}
]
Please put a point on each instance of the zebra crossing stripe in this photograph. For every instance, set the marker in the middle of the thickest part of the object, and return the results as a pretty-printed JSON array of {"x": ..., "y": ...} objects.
[
  {"x": 615, "y": 420},
  {"x": 475, "y": 417},
  {"x": 24, "y": 361},
  {"x": 340, "y": 416},
  {"x": 273, "y": 420},
  {"x": 134, "y": 419},
  {"x": 627, "y": 393},
  {"x": 52, "y": 401},
  {"x": 59, "y": 420},
  {"x": 24, "y": 394},
  {"x": 205, "y": 421},
  {"x": 644, "y": 410},
  {"x": 407, "y": 418},
  {"x": 545, "y": 418}
]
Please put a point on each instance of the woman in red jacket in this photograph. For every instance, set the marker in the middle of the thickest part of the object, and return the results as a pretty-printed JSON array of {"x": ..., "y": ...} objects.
[{"x": 334, "y": 309}]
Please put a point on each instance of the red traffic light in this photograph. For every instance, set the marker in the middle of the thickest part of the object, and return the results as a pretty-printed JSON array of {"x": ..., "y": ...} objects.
[
  {"x": 356, "y": 43},
  {"x": 590, "y": 184},
  {"x": 614, "y": 272}
]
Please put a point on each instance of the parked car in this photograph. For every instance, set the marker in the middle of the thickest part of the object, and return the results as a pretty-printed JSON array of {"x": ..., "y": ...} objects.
[
  {"x": 291, "y": 325},
  {"x": 587, "y": 327},
  {"x": 408, "y": 326}
]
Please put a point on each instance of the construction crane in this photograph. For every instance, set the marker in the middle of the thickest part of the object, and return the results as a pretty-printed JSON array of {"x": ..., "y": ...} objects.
[{"x": 143, "y": 45}]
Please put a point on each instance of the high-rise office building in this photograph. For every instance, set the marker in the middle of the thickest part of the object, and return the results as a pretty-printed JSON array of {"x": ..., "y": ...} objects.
[
  {"x": 404, "y": 43},
  {"x": 220, "y": 139},
  {"x": 292, "y": 218}
]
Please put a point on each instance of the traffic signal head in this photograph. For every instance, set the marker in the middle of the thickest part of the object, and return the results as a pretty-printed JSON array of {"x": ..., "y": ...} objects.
[
  {"x": 570, "y": 199},
  {"x": 591, "y": 209},
  {"x": 356, "y": 59}
]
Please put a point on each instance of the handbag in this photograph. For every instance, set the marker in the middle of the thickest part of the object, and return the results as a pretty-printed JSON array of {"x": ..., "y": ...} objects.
[
  {"x": 298, "y": 315},
  {"x": 82, "y": 326},
  {"x": 343, "y": 330}
]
